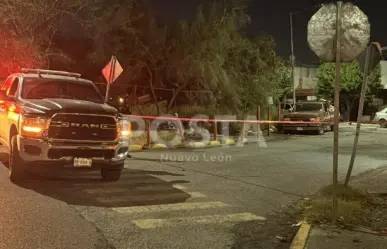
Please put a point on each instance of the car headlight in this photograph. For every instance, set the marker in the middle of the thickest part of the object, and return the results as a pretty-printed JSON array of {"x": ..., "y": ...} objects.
[
  {"x": 123, "y": 128},
  {"x": 34, "y": 126}
]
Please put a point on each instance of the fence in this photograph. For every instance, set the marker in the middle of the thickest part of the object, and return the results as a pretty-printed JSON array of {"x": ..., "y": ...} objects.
[{"x": 144, "y": 128}]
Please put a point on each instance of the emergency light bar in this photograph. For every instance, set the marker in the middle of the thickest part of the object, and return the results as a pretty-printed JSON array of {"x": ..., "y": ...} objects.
[{"x": 50, "y": 72}]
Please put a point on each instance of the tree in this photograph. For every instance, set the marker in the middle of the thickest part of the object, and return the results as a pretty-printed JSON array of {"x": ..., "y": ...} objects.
[
  {"x": 29, "y": 30},
  {"x": 351, "y": 80},
  {"x": 209, "y": 54},
  {"x": 281, "y": 83}
]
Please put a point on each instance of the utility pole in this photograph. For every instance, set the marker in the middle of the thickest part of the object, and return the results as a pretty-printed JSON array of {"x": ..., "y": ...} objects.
[
  {"x": 292, "y": 58},
  {"x": 336, "y": 119}
]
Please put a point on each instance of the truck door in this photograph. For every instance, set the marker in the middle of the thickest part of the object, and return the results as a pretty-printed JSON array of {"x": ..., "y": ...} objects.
[
  {"x": 8, "y": 116},
  {"x": 3, "y": 110}
]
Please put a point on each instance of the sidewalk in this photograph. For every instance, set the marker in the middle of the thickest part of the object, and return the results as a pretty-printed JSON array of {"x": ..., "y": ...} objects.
[
  {"x": 363, "y": 127},
  {"x": 325, "y": 237},
  {"x": 331, "y": 238}
]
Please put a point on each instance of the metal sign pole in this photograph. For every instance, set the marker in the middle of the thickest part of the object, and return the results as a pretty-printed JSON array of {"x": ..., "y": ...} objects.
[
  {"x": 111, "y": 78},
  {"x": 359, "y": 114},
  {"x": 336, "y": 119},
  {"x": 292, "y": 58}
]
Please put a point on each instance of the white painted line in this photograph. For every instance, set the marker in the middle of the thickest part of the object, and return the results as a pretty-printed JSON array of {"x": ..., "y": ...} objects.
[
  {"x": 104, "y": 190},
  {"x": 151, "y": 197},
  {"x": 196, "y": 195},
  {"x": 170, "y": 207},
  {"x": 209, "y": 219},
  {"x": 179, "y": 187},
  {"x": 108, "y": 190}
]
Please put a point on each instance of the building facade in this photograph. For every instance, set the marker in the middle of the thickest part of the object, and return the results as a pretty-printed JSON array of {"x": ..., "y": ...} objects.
[{"x": 305, "y": 81}]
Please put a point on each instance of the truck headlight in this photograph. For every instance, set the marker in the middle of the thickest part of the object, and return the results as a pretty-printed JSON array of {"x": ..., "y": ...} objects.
[
  {"x": 123, "y": 128},
  {"x": 34, "y": 126}
]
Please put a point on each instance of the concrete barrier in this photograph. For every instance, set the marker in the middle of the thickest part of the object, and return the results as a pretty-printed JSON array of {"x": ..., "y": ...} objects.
[
  {"x": 135, "y": 148},
  {"x": 229, "y": 141},
  {"x": 214, "y": 143},
  {"x": 159, "y": 146},
  {"x": 198, "y": 145}
]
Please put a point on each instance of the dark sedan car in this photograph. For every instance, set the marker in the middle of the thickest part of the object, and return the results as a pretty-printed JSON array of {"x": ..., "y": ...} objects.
[{"x": 314, "y": 116}]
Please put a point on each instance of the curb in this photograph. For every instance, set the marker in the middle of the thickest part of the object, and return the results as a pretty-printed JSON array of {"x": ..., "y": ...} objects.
[
  {"x": 195, "y": 145},
  {"x": 299, "y": 241}
]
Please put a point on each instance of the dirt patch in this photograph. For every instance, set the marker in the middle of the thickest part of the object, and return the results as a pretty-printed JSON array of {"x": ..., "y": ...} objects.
[
  {"x": 277, "y": 232},
  {"x": 356, "y": 208}
]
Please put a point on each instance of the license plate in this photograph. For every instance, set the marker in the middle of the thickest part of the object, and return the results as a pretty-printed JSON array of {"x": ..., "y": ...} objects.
[
  {"x": 82, "y": 162},
  {"x": 300, "y": 128}
]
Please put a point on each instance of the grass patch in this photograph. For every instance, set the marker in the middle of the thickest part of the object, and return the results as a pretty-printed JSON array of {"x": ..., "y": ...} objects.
[{"x": 354, "y": 207}]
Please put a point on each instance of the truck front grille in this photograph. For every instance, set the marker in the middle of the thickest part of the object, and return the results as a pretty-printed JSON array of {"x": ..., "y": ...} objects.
[
  {"x": 83, "y": 127},
  {"x": 85, "y": 153}
]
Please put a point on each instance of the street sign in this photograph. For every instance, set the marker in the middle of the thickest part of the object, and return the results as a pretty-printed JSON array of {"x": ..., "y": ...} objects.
[
  {"x": 354, "y": 30},
  {"x": 111, "y": 72},
  {"x": 375, "y": 57}
]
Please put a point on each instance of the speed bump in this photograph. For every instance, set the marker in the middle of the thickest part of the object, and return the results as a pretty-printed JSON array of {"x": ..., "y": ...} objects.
[{"x": 135, "y": 147}]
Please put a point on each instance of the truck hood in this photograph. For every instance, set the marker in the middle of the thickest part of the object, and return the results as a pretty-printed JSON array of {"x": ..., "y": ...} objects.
[
  {"x": 303, "y": 114},
  {"x": 51, "y": 106}
]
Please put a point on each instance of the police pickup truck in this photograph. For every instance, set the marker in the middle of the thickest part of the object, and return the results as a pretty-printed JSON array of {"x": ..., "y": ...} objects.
[{"x": 57, "y": 119}]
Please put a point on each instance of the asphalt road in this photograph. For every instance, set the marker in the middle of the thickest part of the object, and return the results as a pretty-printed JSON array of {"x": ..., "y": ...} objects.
[{"x": 215, "y": 198}]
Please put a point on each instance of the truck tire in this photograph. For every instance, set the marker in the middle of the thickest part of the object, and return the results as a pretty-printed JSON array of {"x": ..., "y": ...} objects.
[
  {"x": 111, "y": 175},
  {"x": 16, "y": 165}
]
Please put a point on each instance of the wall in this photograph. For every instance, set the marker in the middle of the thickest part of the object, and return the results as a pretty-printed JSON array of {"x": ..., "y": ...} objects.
[
  {"x": 383, "y": 67},
  {"x": 305, "y": 77}
]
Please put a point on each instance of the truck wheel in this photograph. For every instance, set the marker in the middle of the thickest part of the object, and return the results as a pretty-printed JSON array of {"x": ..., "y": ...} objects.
[
  {"x": 16, "y": 164},
  {"x": 111, "y": 175}
]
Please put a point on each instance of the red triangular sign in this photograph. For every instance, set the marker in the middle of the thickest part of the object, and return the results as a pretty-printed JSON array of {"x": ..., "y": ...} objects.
[{"x": 112, "y": 70}]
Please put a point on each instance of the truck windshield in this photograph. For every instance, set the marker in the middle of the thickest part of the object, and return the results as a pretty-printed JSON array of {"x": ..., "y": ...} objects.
[
  {"x": 59, "y": 89},
  {"x": 308, "y": 107}
]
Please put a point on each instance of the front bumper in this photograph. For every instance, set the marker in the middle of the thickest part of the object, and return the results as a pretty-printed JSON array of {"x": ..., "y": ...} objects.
[
  {"x": 302, "y": 127},
  {"x": 40, "y": 151}
]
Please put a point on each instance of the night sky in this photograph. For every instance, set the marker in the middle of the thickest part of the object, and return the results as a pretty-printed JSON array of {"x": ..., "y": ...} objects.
[{"x": 272, "y": 17}]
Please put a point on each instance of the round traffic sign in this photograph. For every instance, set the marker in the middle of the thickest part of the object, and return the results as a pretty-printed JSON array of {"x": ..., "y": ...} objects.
[{"x": 354, "y": 32}]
